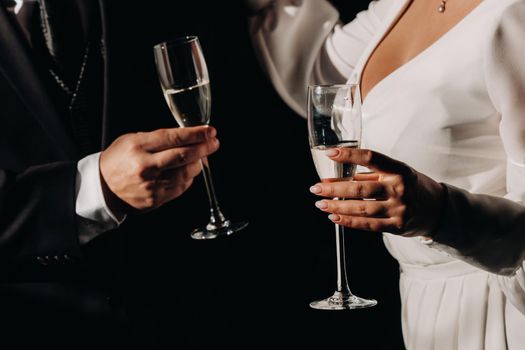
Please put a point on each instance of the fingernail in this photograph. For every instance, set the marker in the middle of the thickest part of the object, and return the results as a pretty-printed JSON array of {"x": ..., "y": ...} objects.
[
  {"x": 315, "y": 189},
  {"x": 211, "y": 132},
  {"x": 321, "y": 204},
  {"x": 332, "y": 152},
  {"x": 334, "y": 217}
]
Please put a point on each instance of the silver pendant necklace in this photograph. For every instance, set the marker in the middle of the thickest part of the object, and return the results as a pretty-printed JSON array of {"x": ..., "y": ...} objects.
[{"x": 443, "y": 6}]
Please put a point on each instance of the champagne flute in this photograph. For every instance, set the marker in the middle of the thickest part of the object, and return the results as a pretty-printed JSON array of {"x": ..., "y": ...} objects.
[
  {"x": 184, "y": 79},
  {"x": 334, "y": 121}
]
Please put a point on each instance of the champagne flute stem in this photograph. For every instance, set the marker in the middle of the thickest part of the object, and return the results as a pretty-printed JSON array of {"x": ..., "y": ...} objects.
[
  {"x": 216, "y": 216},
  {"x": 342, "y": 279}
]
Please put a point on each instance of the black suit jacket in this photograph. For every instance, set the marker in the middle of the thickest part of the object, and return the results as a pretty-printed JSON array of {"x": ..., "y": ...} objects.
[{"x": 51, "y": 287}]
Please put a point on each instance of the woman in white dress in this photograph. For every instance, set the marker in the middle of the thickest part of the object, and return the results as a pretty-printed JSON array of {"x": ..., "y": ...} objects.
[{"x": 443, "y": 90}]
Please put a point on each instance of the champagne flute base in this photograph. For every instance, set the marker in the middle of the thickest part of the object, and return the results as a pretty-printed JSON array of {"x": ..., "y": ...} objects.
[
  {"x": 214, "y": 231},
  {"x": 340, "y": 301}
]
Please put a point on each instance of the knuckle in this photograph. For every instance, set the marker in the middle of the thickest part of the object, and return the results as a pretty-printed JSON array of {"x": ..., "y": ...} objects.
[
  {"x": 138, "y": 168},
  {"x": 136, "y": 137},
  {"x": 402, "y": 211},
  {"x": 368, "y": 156},
  {"x": 129, "y": 141},
  {"x": 182, "y": 156},
  {"x": 150, "y": 197},
  {"x": 362, "y": 210},
  {"x": 359, "y": 190},
  {"x": 399, "y": 187},
  {"x": 398, "y": 223},
  {"x": 374, "y": 226},
  {"x": 148, "y": 188},
  {"x": 201, "y": 135},
  {"x": 370, "y": 226},
  {"x": 127, "y": 137},
  {"x": 173, "y": 137},
  {"x": 146, "y": 201},
  {"x": 397, "y": 179}
]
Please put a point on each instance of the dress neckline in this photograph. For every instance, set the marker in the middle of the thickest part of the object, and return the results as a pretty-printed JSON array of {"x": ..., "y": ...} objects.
[{"x": 392, "y": 18}]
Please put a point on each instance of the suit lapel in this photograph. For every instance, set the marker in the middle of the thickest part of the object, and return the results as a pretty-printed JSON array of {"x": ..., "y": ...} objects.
[
  {"x": 17, "y": 67},
  {"x": 106, "y": 137}
]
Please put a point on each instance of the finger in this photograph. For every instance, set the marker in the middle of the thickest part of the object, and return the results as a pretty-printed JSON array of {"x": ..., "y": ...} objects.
[
  {"x": 163, "y": 139},
  {"x": 367, "y": 208},
  {"x": 367, "y": 224},
  {"x": 180, "y": 174},
  {"x": 350, "y": 189},
  {"x": 367, "y": 158},
  {"x": 167, "y": 193},
  {"x": 366, "y": 177},
  {"x": 179, "y": 156}
]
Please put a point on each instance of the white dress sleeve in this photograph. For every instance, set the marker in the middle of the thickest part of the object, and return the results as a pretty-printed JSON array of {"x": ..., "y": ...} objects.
[
  {"x": 486, "y": 231},
  {"x": 300, "y": 43}
]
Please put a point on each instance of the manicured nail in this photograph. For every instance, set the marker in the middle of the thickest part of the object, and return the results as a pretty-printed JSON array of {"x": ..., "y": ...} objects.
[
  {"x": 334, "y": 217},
  {"x": 332, "y": 152},
  {"x": 321, "y": 204},
  {"x": 316, "y": 189}
]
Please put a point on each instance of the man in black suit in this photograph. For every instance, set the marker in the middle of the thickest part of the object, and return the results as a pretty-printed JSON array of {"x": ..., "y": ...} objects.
[{"x": 82, "y": 149}]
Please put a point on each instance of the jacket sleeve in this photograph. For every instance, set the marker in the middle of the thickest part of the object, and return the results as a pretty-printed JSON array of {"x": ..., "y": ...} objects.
[{"x": 37, "y": 220}]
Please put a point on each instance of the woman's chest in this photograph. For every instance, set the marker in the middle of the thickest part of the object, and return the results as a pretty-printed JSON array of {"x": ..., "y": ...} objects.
[
  {"x": 434, "y": 112},
  {"x": 412, "y": 30}
]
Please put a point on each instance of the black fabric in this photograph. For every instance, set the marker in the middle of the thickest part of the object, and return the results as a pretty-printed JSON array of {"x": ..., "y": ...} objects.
[
  {"x": 31, "y": 228},
  {"x": 172, "y": 292},
  {"x": 116, "y": 275},
  {"x": 85, "y": 107},
  {"x": 66, "y": 40}
]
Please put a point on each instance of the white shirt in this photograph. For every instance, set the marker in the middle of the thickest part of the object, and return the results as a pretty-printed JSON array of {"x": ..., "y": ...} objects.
[
  {"x": 455, "y": 112},
  {"x": 93, "y": 215}
]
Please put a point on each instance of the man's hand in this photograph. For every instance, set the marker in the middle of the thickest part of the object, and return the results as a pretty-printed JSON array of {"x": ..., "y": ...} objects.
[{"x": 142, "y": 171}]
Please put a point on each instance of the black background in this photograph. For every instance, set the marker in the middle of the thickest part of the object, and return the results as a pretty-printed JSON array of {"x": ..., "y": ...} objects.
[{"x": 252, "y": 290}]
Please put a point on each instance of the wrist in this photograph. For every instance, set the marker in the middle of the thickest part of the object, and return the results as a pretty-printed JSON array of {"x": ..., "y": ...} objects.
[{"x": 116, "y": 205}]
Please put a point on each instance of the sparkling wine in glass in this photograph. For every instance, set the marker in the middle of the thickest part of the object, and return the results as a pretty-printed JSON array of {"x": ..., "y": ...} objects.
[
  {"x": 185, "y": 82},
  {"x": 334, "y": 121}
]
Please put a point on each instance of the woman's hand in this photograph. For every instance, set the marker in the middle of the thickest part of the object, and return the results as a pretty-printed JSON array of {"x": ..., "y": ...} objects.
[{"x": 393, "y": 198}]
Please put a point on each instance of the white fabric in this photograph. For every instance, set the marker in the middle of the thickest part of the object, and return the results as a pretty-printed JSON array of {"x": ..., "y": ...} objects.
[
  {"x": 94, "y": 216},
  {"x": 455, "y": 112}
]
